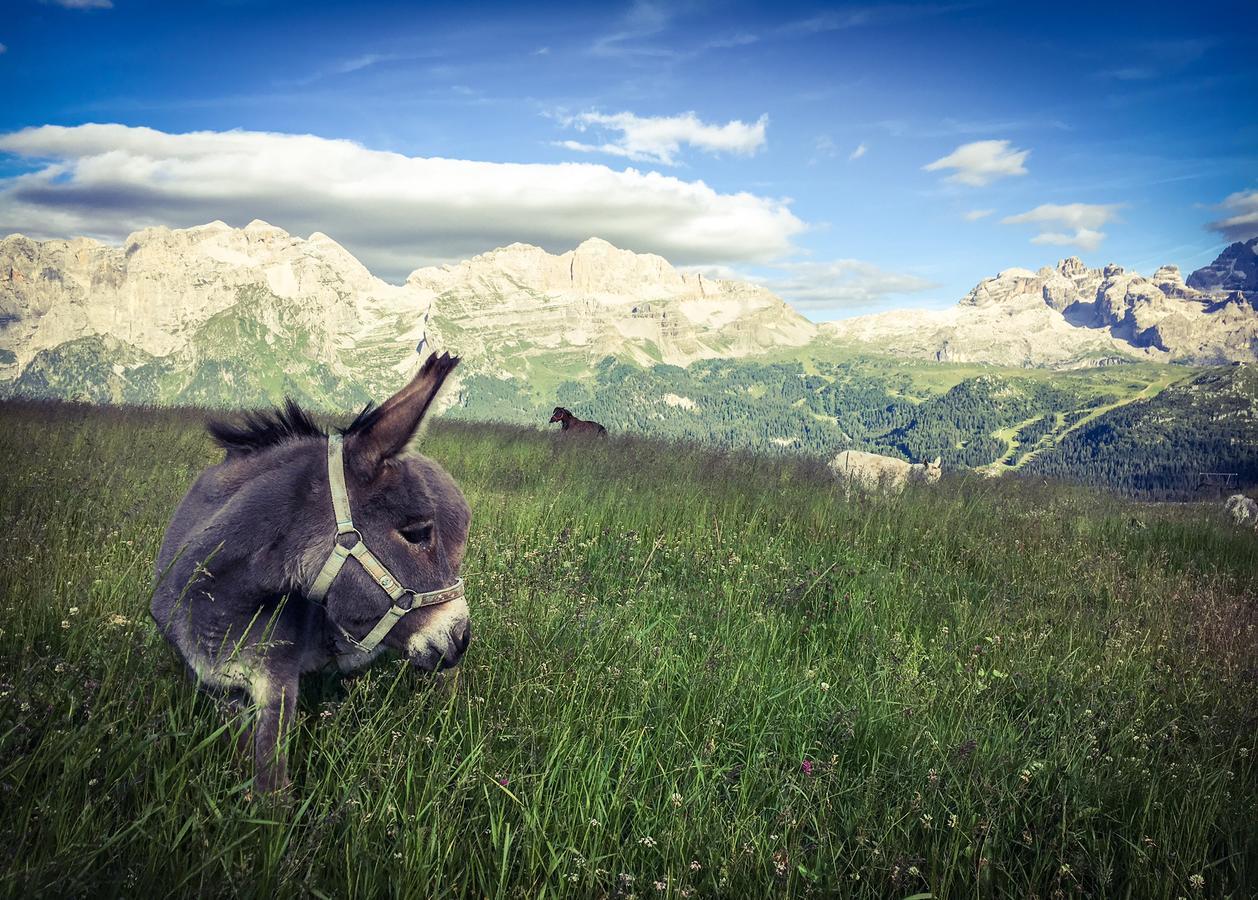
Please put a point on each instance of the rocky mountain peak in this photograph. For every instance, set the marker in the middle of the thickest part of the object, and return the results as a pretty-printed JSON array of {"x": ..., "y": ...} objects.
[
  {"x": 1235, "y": 269},
  {"x": 1073, "y": 267},
  {"x": 163, "y": 287},
  {"x": 597, "y": 300},
  {"x": 1072, "y": 315}
]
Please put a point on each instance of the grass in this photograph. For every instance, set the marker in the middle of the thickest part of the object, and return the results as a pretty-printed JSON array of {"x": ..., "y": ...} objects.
[{"x": 693, "y": 674}]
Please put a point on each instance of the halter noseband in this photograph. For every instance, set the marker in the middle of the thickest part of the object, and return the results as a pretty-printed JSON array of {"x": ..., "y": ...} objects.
[{"x": 404, "y": 599}]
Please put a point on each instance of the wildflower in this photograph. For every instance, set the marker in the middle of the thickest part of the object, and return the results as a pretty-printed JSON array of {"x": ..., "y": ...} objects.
[
  {"x": 661, "y": 885},
  {"x": 595, "y": 823},
  {"x": 825, "y": 685},
  {"x": 647, "y": 841},
  {"x": 1197, "y": 881},
  {"x": 74, "y": 610},
  {"x": 65, "y": 624},
  {"x": 695, "y": 866},
  {"x": 118, "y": 620},
  {"x": 914, "y": 871},
  {"x": 677, "y": 799},
  {"x": 504, "y": 780},
  {"x": 952, "y": 821},
  {"x": 806, "y": 767}
]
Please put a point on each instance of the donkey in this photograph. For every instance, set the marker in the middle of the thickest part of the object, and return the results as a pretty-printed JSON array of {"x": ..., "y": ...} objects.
[
  {"x": 254, "y": 588},
  {"x": 575, "y": 425}
]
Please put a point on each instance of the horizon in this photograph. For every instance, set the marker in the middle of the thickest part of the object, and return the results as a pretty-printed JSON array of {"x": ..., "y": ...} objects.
[{"x": 802, "y": 148}]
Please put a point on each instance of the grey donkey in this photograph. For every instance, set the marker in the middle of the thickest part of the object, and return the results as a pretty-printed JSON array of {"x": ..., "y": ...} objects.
[{"x": 303, "y": 550}]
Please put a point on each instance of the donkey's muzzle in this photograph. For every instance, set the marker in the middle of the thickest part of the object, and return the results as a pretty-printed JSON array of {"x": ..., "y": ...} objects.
[{"x": 436, "y": 656}]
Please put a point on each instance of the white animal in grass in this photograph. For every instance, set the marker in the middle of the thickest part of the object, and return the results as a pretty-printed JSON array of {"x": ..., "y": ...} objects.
[
  {"x": 1244, "y": 510},
  {"x": 869, "y": 471}
]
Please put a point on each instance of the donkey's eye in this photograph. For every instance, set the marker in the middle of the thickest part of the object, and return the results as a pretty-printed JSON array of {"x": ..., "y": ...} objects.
[{"x": 418, "y": 533}]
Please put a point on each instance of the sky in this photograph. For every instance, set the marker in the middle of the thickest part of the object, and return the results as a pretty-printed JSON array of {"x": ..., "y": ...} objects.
[{"x": 852, "y": 157}]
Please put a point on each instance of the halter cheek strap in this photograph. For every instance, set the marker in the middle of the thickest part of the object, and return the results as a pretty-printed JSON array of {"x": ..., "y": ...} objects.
[{"x": 404, "y": 599}]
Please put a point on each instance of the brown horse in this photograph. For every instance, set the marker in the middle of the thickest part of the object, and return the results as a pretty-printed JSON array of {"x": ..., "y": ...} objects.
[
  {"x": 303, "y": 549},
  {"x": 575, "y": 425}
]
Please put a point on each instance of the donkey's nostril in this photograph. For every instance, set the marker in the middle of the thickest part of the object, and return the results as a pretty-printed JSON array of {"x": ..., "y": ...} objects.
[{"x": 464, "y": 638}]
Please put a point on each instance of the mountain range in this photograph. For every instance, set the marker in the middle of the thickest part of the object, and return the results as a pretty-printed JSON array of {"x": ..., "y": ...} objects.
[
  {"x": 1072, "y": 315},
  {"x": 218, "y": 315}
]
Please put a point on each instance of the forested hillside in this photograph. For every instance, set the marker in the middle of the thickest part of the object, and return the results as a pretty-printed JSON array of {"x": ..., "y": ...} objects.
[
  {"x": 1182, "y": 442},
  {"x": 1117, "y": 426}
]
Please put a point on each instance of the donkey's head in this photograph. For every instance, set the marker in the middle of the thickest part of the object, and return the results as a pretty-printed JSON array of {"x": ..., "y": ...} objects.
[
  {"x": 560, "y": 414},
  {"x": 412, "y": 517}
]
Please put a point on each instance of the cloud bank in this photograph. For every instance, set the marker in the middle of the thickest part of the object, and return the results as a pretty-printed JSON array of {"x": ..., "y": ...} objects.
[
  {"x": 1243, "y": 223},
  {"x": 659, "y": 139},
  {"x": 1082, "y": 222},
  {"x": 981, "y": 162},
  {"x": 841, "y": 284},
  {"x": 393, "y": 212}
]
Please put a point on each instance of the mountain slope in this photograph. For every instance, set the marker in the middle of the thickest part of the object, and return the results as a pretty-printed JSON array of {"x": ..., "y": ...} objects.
[
  {"x": 222, "y": 316},
  {"x": 524, "y": 311},
  {"x": 1071, "y": 316},
  {"x": 210, "y": 314},
  {"x": 1235, "y": 269},
  {"x": 1163, "y": 445}
]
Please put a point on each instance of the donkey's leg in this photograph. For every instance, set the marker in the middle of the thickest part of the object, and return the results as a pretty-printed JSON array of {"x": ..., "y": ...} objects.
[{"x": 277, "y": 704}]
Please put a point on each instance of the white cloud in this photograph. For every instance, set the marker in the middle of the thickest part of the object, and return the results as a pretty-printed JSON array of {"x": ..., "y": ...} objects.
[
  {"x": 81, "y": 4},
  {"x": 394, "y": 212},
  {"x": 1084, "y": 238},
  {"x": 659, "y": 139},
  {"x": 3, "y": 48},
  {"x": 1082, "y": 221},
  {"x": 1243, "y": 224},
  {"x": 981, "y": 162},
  {"x": 841, "y": 284},
  {"x": 859, "y": 152},
  {"x": 975, "y": 214}
]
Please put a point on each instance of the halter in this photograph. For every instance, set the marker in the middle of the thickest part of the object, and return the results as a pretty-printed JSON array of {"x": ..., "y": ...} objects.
[{"x": 404, "y": 599}]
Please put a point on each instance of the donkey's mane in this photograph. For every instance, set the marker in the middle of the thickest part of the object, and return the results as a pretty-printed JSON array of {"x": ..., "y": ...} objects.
[{"x": 260, "y": 429}]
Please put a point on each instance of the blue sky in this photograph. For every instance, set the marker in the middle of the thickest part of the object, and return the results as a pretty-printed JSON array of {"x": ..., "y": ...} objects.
[{"x": 854, "y": 157}]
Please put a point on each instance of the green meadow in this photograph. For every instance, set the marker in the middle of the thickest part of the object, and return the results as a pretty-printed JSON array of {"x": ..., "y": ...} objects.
[{"x": 693, "y": 674}]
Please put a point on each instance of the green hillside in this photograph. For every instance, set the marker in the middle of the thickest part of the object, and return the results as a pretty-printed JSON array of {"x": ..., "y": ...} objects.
[
  {"x": 693, "y": 675},
  {"x": 996, "y": 420}
]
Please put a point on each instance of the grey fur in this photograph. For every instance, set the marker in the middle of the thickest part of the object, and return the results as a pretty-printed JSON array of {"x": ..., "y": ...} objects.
[{"x": 252, "y": 532}]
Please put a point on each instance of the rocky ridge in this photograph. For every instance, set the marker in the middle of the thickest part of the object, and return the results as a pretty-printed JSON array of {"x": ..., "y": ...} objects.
[
  {"x": 224, "y": 316},
  {"x": 1235, "y": 269},
  {"x": 522, "y": 303},
  {"x": 1072, "y": 315}
]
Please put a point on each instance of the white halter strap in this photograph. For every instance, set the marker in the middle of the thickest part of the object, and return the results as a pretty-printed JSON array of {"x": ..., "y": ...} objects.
[{"x": 404, "y": 599}]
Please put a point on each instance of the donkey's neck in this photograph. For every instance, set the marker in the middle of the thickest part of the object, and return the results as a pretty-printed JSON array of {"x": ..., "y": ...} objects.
[{"x": 276, "y": 500}]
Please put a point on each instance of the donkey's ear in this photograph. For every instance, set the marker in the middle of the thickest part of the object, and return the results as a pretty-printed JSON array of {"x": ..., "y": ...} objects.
[{"x": 385, "y": 432}]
